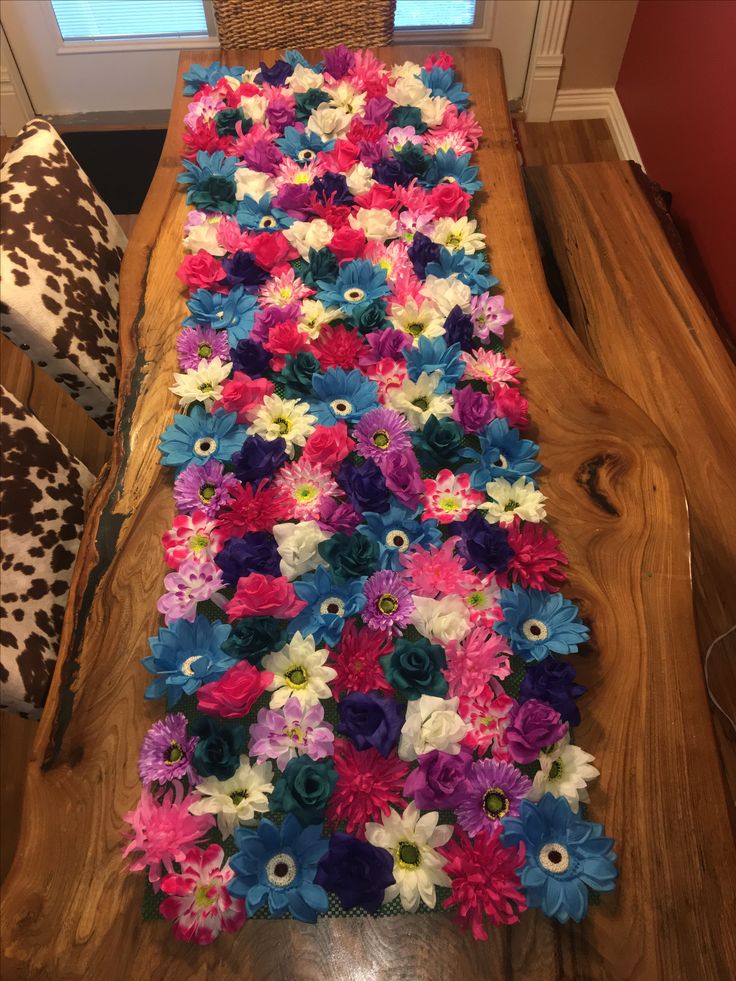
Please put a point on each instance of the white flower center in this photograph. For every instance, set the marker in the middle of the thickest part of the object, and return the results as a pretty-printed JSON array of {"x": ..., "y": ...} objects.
[
  {"x": 341, "y": 407},
  {"x": 534, "y": 630},
  {"x": 205, "y": 446},
  {"x": 354, "y": 295},
  {"x": 187, "y": 668},
  {"x": 281, "y": 870},
  {"x": 397, "y": 539},
  {"x": 333, "y": 605},
  {"x": 554, "y": 858}
]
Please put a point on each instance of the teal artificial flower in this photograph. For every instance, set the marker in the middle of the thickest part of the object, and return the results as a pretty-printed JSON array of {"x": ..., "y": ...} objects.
[
  {"x": 470, "y": 269},
  {"x": 304, "y": 789},
  {"x": 442, "y": 83},
  {"x": 414, "y": 668},
  {"x": 200, "y": 437},
  {"x": 501, "y": 453},
  {"x": 258, "y": 216},
  {"x": 447, "y": 167},
  {"x": 302, "y": 145},
  {"x": 439, "y": 445},
  {"x": 211, "y": 182},
  {"x": 350, "y": 556}
]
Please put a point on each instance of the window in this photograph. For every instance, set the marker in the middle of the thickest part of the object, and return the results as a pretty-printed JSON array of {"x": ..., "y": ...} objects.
[
  {"x": 416, "y": 14},
  {"x": 99, "y": 20}
]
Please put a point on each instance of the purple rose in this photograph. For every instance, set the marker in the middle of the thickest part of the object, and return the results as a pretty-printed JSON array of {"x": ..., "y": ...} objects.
[
  {"x": 258, "y": 458},
  {"x": 371, "y": 720},
  {"x": 473, "y": 410},
  {"x": 266, "y": 319},
  {"x": 364, "y": 486},
  {"x": 254, "y": 552},
  {"x": 358, "y": 872},
  {"x": 481, "y": 544},
  {"x": 378, "y": 109},
  {"x": 294, "y": 199},
  {"x": 263, "y": 156},
  {"x": 553, "y": 682},
  {"x": 403, "y": 477},
  {"x": 534, "y": 725},
  {"x": 336, "y": 517},
  {"x": 421, "y": 252},
  {"x": 339, "y": 61},
  {"x": 280, "y": 114},
  {"x": 439, "y": 780},
  {"x": 459, "y": 329},
  {"x": 242, "y": 270},
  {"x": 386, "y": 344}
]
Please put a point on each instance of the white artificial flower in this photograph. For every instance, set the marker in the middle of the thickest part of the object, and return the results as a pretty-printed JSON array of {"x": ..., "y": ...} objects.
[
  {"x": 201, "y": 384},
  {"x": 289, "y": 419},
  {"x": 446, "y": 294},
  {"x": 412, "y": 840},
  {"x": 417, "y": 320},
  {"x": 433, "y": 109},
  {"x": 345, "y": 97},
  {"x": 508, "y": 500},
  {"x": 565, "y": 772},
  {"x": 297, "y": 546},
  {"x": 408, "y": 69},
  {"x": 254, "y": 107},
  {"x": 314, "y": 315},
  {"x": 238, "y": 799},
  {"x": 299, "y": 671},
  {"x": 459, "y": 236},
  {"x": 360, "y": 179},
  {"x": 408, "y": 91},
  {"x": 418, "y": 400},
  {"x": 442, "y": 621},
  {"x": 377, "y": 223},
  {"x": 252, "y": 183},
  {"x": 431, "y": 723},
  {"x": 204, "y": 236},
  {"x": 306, "y": 235},
  {"x": 328, "y": 122},
  {"x": 302, "y": 79}
]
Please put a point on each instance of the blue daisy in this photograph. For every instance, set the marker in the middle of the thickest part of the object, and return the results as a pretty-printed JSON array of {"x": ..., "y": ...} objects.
[
  {"x": 278, "y": 865},
  {"x": 302, "y": 146},
  {"x": 470, "y": 269},
  {"x": 447, "y": 167},
  {"x": 185, "y": 656},
  {"x": 538, "y": 624},
  {"x": 358, "y": 283},
  {"x": 258, "y": 216},
  {"x": 396, "y": 530},
  {"x": 211, "y": 181},
  {"x": 329, "y": 605},
  {"x": 200, "y": 437},
  {"x": 435, "y": 355},
  {"x": 199, "y": 75},
  {"x": 565, "y": 856},
  {"x": 502, "y": 453},
  {"x": 342, "y": 396},
  {"x": 234, "y": 311},
  {"x": 442, "y": 82}
]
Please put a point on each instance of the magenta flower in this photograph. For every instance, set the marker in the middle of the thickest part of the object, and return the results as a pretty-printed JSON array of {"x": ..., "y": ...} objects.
[
  {"x": 473, "y": 410},
  {"x": 388, "y": 603},
  {"x": 493, "y": 790},
  {"x": 198, "y": 902},
  {"x": 195, "y": 344},
  {"x": 192, "y": 582},
  {"x": 381, "y": 433},
  {"x": 206, "y": 488},
  {"x": 166, "y": 753},
  {"x": 294, "y": 730}
]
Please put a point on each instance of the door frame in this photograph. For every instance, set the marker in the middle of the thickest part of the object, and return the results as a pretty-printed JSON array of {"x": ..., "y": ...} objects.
[{"x": 545, "y": 62}]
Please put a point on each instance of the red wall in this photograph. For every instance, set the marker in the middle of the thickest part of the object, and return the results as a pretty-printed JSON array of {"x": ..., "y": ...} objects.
[{"x": 677, "y": 85}]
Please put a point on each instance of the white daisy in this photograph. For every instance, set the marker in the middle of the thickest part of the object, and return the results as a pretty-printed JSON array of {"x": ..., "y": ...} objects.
[
  {"x": 238, "y": 799},
  {"x": 459, "y": 236},
  {"x": 431, "y": 723},
  {"x": 289, "y": 419},
  {"x": 345, "y": 97},
  {"x": 508, "y": 500},
  {"x": 201, "y": 384},
  {"x": 417, "y": 320},
  {"x": 314, "y": 315},
  {"x": 299, "y": 670},
  {"x": 433, "y": 109},
  {"x": 412, "y": 841},
  {"x": 565, "y": 772},
  {"x": 419, "y": 400}
]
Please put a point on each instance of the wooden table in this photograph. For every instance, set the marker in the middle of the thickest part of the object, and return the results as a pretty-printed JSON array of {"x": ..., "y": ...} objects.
[{"x": 616, "y": 499}]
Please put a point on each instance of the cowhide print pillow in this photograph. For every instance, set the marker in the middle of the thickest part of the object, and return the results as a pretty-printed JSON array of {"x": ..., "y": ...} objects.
[
  {"x": 42, "y": 488},
  {"x": 60, "y": 253}
]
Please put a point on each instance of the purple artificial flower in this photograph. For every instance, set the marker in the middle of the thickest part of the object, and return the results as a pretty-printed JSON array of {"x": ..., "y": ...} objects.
[
  {"x": 459, "y": 329},
  {"x": 382, "y": 432},
  {"x": 439, "y": 780},
  {"x": 294, "y": 199},
  {"x": 388, "y": 601},
  {"x": 356, "y": 871},
  {"x": 473, "y": 410},
  {"x": 336, "y": 517},
  {"x": 553, "y": 682},
  {"x": 243, "y": 270},
  {"x": 374, "y": 152},
  {"x": 263, "y": 156},
  {"x": 371, "y": 720},
  {"x": 251, "y": 358},
  {"x": 166, "y": 753},
  {"x": 388, "y": 170},
  {"x": 534, "y": 725},
  {"x": 280, "y": 113},
  {"x": 493, "y": 790},
  {"x": 256, "y": 551},
  {"x": 276, "y": 75},
  {"x": 206, "y": 488},
  {"x": 339, "y": 61},
  {"x": 332, "y": 188},
  {"x": 378, "y": 109},
  {"x": 482, "y": 545},
  {"x": 364, "y": 486},
  {"x": 421, "y": 252},
  {"x": 294, "y": 729},
  {"x": 386, "y": 344},
  {"x": 489, "y": 315},
  {"x": 193, "y": 582},
  {"x": 258, "y": 458},
  {"x": 195, "y": 344},
  {"x": 403, "y": 477},
  {"x": 268, "y": 318}
]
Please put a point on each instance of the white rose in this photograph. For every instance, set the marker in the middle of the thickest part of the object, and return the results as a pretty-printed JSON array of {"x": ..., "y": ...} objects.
[
  {"x": 409, "y": 69},
  {"x": 297, "y": 546},
  {"x": 441, "y": 621},
  {"x": 377, "y": 223},
  {"x": 302, "y": 79},
  {"x": 328, "y": 122},
  {"x": 360, "y": 179},
  {"x": 433, "y": 110},
  {"x": 252, "y": 183},
  {"x": 446, "y": 294},
  {"x": 254, "y": 106},
  {"x": 345, "y": 97},
  {"x": 431, "y": 723},
  {"x": 408, "y": 92},
  {"x": 204, "y": 236},
  {"x": 306, "y": 235}
]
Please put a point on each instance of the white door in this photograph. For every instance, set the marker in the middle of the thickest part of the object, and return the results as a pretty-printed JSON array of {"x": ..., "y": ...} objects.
[{"x": 112, "y": 73}]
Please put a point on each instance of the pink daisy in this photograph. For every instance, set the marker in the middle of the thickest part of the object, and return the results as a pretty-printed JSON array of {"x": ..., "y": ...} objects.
[
  {"x": 488, "y": 366},
  {"x": 254, "y": 508},
  {"x": 387, "y": 373},
  {"x": 283, "y": 289},
  {"x": 445, "y": 139},
  {"x": 436, "y": 570},
  {"x": 475, "y": 661},
  {"x": 464, "y": 122},
  {"x": 489, "y": 315},
  {"x": 198, "y": 902},
  {"x": 291, "y": 172},
  {"x": 482, "y": 601},
  {"x": 193, "y": 582},
  {"x": 192, "y": 536},
  {"x": 306, "y": 486},
  {"x": 450, "y": 497},
  {"x": 367, "y": 785},
  {"x": 356, "y": 661}
]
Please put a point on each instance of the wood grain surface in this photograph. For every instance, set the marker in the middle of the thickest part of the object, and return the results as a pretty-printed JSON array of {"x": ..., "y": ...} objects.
[
  {"x": 634, "y": 309},
  {"x": 616, "y": 499}
]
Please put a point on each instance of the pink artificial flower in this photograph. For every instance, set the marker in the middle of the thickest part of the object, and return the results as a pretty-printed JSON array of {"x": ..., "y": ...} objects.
[
  {"x": 450, "y": 497},
  {"x": 490, "y": 367},
  {"x": 510, "y": 404},
  {"x": 192, "y": 536},
  {"x": 436, "y": 570},
  {"x": 472, "y": 410},
  {"x": 233, "y": 695},
  {"x": 537, "y": 557},
  {"x": 482, "y": 601},
  {"x": 272, "y": 250},
  {"x": 292, "y": 172},
  {"x": 328, "y": 446},
  {"x": 348, "y": 243},
  {"x": 387, "y": 374},
  {"x": 337, "y": 347},
  {"x": 414, "y": 198},
  {"x": 193, "y": 582},
  {"x": 356, "y": 660},
  {"x": 368, "y": 74},
  {"x": 257, "y": 595},
  {"x": 244, "y": 395},
  {"x": 253, "y": 508},
  {"x": 162, "y": 830},
  {"x": 474, "y": 662},
  {"x": 488, "y": 715},
  {"x": 230, "y": 237},
  {"x": 306, "y": 486},
  {"x": 342, "y": 157},
  {"x": 293, "y": 730},
  {"x": 367, "y": 785},
  {"x": 489, "y": 315},
  {"x": 202, "y": 271},
  {"x": 393, "y": 258},
  {"x": 465, "y": 123},
  {"x": 380, "y": 197},
  {"x": 445, "y": 139},
  {"x": 285, "y": 338},
  {"x": 449, "y": 201},
  {"x": 198, "y": 902},
  {"x": 441, "y": 59}
]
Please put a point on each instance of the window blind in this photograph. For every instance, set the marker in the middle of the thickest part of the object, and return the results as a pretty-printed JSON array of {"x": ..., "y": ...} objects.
[
  {"x": 96, "y": 20},
  {"x": 434, "y": 13}
]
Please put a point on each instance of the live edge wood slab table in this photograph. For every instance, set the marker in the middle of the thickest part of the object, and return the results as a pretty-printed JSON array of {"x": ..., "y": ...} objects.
[{"x": 617, "y": 502}]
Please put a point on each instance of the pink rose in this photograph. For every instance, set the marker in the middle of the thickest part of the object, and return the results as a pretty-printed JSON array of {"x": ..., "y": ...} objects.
[
  {"x": 441, "y": 59},
  {"x": 202, "y": 271},
  {"x": 328, "y": 445},
  {"x": 449, "y": 201},
  {"x": 264, "y": 596},
  {"x": 348, "y": 243},
  {"x": 510, "y": 404},
  {"x": 271, "y": 250},
  {"x": 234, "y": 694},
  {"x": 244, "y": 395}
]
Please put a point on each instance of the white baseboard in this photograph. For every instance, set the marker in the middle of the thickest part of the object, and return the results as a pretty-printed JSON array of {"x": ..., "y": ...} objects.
[{"x": 599, "y": 104}]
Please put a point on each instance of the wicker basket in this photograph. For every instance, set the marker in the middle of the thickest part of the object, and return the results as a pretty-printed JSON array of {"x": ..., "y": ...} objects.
[{"x": 304, "y": 23}]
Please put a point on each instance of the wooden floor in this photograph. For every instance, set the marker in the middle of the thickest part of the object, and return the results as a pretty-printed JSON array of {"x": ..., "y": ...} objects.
[{"x": 570, "y": 141}]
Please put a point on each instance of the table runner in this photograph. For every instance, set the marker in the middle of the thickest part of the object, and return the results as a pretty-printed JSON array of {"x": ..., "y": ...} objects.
[{"x": 367, "y": 711}]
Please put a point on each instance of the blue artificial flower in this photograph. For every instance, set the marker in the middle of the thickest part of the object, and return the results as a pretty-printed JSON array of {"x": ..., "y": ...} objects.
[
  {"x": 435, "y": 355},
  {"x": 295, "y": 57},
  {"x": 234, "y": 311},
  {"x": 564, "y": 857},
  {"x": 503, "y": 453},
  {"x": 447, "y": 167},
  {"x": 258, "y": 216},
  {"x": 302, "y": 145},
  {"x": 279, "y": 865},
  {"x": 441, "y": 82},
  {"x": 199, "y": 75},
  {"x": 470, "y": 269},
  {"x": 185, "y": 656},
  {"x": 538, "y": 623},
  {"x": 200, "y": 437},
  {"x": 211, "y": 181},
  {"x": 342, "y": 396},
  {"x": 329, "y": 605},
  {"x": 396, "y": 530},
  {"x": 358, "y": 283}
]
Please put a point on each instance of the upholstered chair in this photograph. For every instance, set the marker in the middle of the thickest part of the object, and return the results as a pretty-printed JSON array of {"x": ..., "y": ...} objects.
[{"x": 60, "y": 254}]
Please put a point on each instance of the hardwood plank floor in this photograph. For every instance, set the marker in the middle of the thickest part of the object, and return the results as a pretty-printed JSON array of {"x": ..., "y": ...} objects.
[{"x": 569, "y": 141}]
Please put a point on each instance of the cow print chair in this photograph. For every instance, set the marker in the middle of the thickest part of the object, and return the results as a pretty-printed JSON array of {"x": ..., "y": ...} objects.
[
  {"x": 60, "y": 253},
  {"x": 42, "y": 490}
]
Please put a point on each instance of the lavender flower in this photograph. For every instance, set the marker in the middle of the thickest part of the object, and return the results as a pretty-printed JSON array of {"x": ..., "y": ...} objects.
[
  {"x": 197, "y": 343},
  {"x": 388, "y": 601},
  {"x": 166, "y": 753},
  {"x": 493, "y": 790},
  {"x": 206, "y": 488},
  {"x": 381, "y": 432}
]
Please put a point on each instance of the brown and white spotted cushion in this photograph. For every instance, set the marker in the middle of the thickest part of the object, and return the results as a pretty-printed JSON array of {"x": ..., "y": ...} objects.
[
  {"x": 42, "y": 489},
  {"x": 60, "y": 253}
]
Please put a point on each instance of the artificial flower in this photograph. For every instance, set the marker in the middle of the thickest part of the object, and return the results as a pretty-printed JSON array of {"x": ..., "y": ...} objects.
[
  {"x": 205, "y": 488},
  {"x": 197, "y": 900},
  {"x": 166, "y": 751},
  {"x": 368, "y": 784},
  {"x": 293, "y": 730},
  {"x": 388, "y": 603},
  {"x": 357, "y": 661},
  {"x": 298, "y": 545},
  {"x": 492, "y": 791},
  {"x": 260, "y": 595},
  {"x": 565, "y": 771},
  {"x": 286, "y": 419},
  {"x": 326, "y": 605},
  {"x": 538, "y": 624},
  {"x": 186, "y": 655},
  {"x": 233, "y": 694},
  {"x": 431, "y": 723},
  {"x": 370, "y": 720},
  {"x": 508, "y": 500},
  {"x": 533, "y": 725},
  {"x": 201, "y": 384},
  {"x": 305, "y": 788},
  {"x": 238, "y": 799},
  {"x": 443, "y": 621},
  {"x": 199, "y": 437},
  {"x": 414, "y": 667},
  {"x": 194, "y": 537},
  {"x": 299, "y": 671},
  {"x": 439, "y": 779}
]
